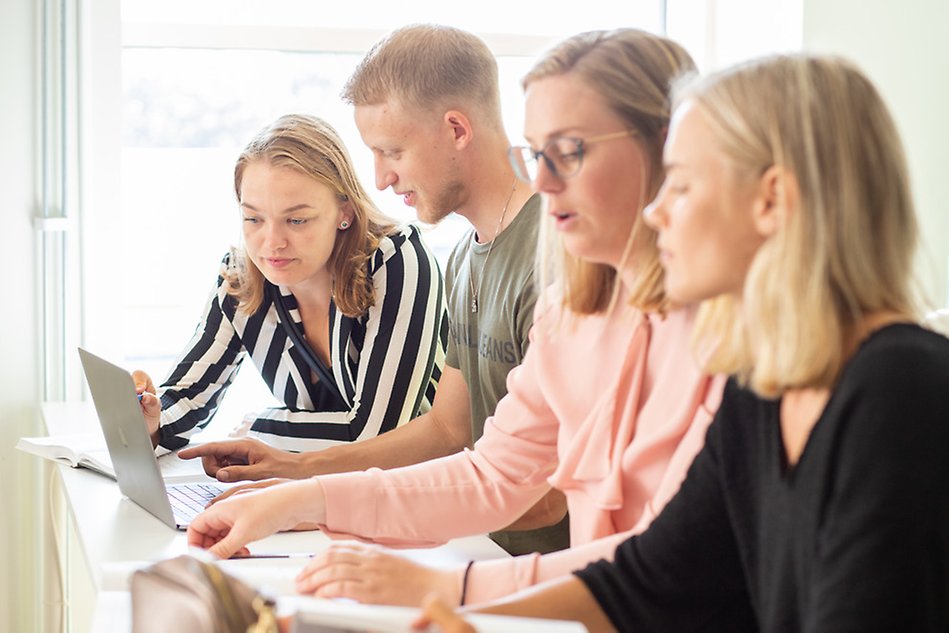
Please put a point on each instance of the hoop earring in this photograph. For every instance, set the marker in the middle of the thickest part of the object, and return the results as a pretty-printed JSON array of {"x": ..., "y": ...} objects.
[{"x": 343, "y": 225}]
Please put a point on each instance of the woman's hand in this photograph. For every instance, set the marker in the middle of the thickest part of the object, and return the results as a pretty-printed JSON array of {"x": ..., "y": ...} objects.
[
  {"x": 371, "y": 575},
  {"x": 151, "y": 405},
  {"x": 226, "y": 527},
  {"x": 257, "y": 485},
  {"x": 435, "y": 611},
  {"x": 260, "y": 485}
]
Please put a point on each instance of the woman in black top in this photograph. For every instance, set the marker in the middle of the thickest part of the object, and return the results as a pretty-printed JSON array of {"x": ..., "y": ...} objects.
[
  {"x": 820, "y": 501},
  {"x": 341, "y": 311}
]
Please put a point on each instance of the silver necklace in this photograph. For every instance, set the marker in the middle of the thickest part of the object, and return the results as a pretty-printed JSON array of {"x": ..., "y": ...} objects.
[{"x": 475, "y": 292}]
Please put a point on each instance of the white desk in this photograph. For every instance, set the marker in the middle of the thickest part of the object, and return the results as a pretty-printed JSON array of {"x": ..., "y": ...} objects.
[{"x": 112, "y": 531}]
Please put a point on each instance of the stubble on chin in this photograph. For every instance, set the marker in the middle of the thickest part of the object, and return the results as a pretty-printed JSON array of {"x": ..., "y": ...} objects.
[
  {"x": 451, "y": 198},
  {"x": 431, "y": 215}
]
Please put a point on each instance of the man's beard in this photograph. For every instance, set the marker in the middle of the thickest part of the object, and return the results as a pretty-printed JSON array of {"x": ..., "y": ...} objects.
[{"x": 448, "y": 200}]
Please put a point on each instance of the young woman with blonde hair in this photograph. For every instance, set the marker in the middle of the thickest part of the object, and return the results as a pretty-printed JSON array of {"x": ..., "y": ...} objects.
[
  {"x": 340, "y": 310},
  {"x": 609, "y": 405},
  {"x": 820, "y": 501}
]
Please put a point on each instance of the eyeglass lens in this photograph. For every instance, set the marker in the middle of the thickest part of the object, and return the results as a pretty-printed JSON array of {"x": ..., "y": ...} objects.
[{"x": 562, "y": 156}]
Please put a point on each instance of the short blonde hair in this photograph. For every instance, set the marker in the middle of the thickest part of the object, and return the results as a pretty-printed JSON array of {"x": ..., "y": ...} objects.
[
  {"x": 312, "y": 147},
  {"x": 429, "y": 67},
  {"x": 846, "y": 247},
  {"x": 634, "y": 71}
]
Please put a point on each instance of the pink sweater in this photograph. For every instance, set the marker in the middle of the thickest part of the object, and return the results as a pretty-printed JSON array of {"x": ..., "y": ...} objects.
[{"x": 611, "y": 409}]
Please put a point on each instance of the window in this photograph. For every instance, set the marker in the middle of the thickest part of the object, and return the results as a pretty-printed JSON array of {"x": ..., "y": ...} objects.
[{"x": 198, "y": 80}]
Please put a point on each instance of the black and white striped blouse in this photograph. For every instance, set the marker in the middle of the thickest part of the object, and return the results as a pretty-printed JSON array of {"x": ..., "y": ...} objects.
[{"x": 385, "y": 363}]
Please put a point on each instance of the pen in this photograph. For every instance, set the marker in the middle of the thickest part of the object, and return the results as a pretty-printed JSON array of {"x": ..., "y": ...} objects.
[{"x": 272, "y": 556}]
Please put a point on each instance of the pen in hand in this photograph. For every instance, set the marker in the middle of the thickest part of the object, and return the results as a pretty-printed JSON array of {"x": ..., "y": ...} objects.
[{"x": 300, "y": 555}]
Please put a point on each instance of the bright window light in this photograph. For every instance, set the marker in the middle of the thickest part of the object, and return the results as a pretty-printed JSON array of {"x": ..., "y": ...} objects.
[{"x": 199, "y": 79}]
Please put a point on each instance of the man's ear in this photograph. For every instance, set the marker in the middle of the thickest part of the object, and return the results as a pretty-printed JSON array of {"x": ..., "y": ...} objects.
[
  {"x": 460, "y": 126},
  {"x": 777, "y": 198}
]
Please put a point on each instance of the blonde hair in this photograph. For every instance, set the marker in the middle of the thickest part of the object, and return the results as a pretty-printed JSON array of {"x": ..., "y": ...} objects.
[
  {"x": 312, "y": 147},
  {"x": 633, "y": 70},
  {"x": 846, "y": 247},
  {"x": 429, "y": 67}
]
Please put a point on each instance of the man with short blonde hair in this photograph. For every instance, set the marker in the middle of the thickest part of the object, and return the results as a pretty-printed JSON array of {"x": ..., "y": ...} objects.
[{"x": 427, "y": 104}]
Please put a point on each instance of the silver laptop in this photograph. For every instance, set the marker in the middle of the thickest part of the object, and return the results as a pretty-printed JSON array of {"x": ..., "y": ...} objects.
[{"x": 126, "y": 436}]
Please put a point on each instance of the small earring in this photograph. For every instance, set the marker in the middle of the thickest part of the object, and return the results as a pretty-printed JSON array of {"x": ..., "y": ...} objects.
[{"x": 343, "y": 225}]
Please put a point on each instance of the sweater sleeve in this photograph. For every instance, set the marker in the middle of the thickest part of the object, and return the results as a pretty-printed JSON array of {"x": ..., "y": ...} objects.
[
  {"x": 403, "y": 347},
  {"x": 488, "y": 580},
  {"x": 684, "y": 572},
  {"x": 883, "y": 560},
  {"x": 207, "y": 366},
  {"x": 471, "y": 492}
]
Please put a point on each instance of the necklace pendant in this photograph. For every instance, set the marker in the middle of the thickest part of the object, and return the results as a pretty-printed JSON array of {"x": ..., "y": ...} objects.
[{"x": 474, "y": 239}]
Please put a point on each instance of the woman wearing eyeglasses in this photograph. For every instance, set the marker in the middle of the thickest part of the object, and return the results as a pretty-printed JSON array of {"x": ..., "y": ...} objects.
[
  {"x": 609, "y": 405},
  {"x": 820, "y": 501}
]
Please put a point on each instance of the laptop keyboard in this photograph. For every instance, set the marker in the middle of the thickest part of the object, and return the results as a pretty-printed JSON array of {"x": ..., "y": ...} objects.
[{"x": 189, "y": 500}]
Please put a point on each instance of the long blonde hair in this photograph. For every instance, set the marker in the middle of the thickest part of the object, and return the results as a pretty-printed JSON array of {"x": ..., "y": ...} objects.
[
  {"x": 633, "y": 70},
  {"x": 312, "y": 147},
  {"x": 846, "y": 247}
]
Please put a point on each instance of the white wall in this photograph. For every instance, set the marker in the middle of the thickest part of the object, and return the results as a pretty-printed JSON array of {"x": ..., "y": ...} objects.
[
  {"x": 903, "y": 47},
  {"x": 19, "y": 330},
  {"x": 719, "y": 33}
]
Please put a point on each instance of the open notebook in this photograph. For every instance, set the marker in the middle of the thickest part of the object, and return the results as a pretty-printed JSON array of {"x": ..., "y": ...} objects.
[
  {"x": 330, "y": 616},
  {"x": 88, "y": 450},
  {"x": 84, "y": 450}
]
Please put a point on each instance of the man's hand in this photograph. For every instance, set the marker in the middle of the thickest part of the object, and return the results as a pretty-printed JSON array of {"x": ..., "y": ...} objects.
[{"x": 245, "y": 459}]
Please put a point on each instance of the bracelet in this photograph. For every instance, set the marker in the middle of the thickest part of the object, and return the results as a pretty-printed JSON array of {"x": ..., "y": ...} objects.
[{"x": 464, "y": 583}]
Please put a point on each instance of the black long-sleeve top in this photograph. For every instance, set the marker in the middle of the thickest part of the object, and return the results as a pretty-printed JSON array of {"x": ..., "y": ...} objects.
[
  {"x": 385, "y": 363},
  {"x": 853, "y": 537}
]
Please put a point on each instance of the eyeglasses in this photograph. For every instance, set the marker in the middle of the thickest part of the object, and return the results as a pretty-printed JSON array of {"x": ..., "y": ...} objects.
[{"x": 562, "y": 155}]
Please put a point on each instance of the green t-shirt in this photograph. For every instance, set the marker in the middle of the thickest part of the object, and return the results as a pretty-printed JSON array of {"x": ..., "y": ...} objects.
[{"x": 485, "y": 345}]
